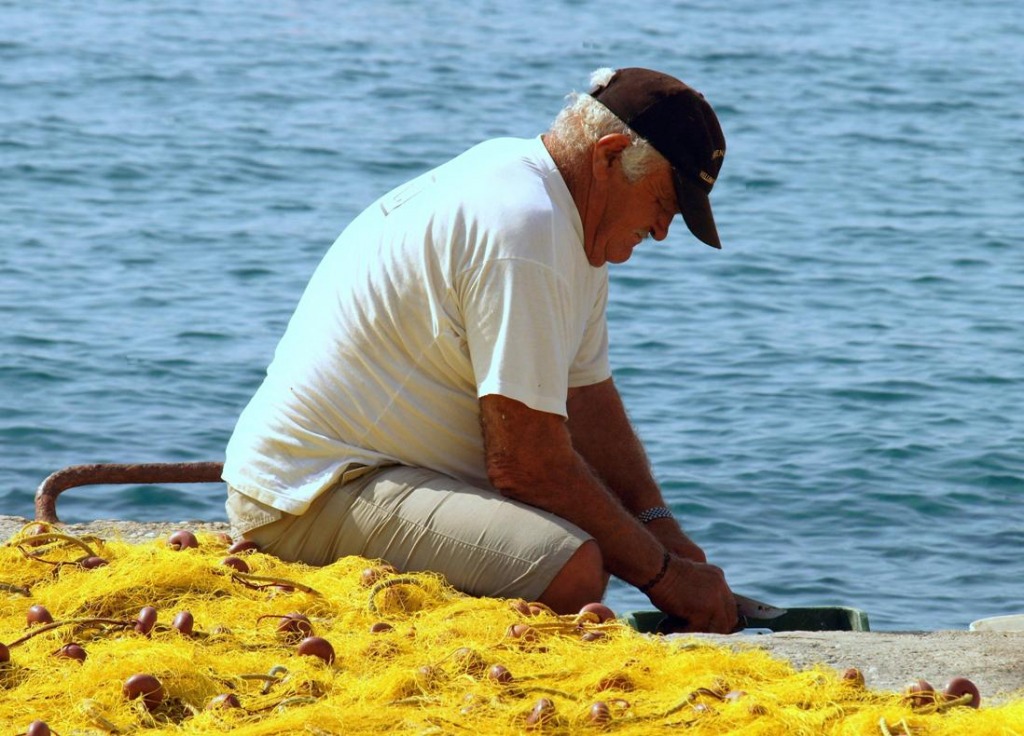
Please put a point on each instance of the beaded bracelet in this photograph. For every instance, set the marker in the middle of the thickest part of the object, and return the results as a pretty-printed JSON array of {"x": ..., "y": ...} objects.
[
  {"x": 658, "y": 512},
  {"x": 661, "y": 573}
]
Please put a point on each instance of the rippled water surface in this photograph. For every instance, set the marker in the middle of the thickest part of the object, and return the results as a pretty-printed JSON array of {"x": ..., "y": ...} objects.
[{"x": 833, "y": 402}]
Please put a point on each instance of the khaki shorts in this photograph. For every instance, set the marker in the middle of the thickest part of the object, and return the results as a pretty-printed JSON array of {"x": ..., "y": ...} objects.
[{"x": 416, "y": 519}]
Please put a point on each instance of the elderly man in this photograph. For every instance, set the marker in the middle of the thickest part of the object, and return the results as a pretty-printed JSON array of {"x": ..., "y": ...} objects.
[{"x": 442, "y": 397}]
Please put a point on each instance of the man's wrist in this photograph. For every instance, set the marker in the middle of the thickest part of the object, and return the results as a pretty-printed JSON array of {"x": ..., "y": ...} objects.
[{"x": 646, "y": 587}]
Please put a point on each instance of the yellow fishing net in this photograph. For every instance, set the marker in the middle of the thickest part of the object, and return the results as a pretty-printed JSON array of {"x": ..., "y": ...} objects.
[{"x": 411, "y": 656}]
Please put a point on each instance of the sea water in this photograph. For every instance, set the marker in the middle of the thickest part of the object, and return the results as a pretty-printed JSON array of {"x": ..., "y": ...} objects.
[{"x": 833, "y": 402}]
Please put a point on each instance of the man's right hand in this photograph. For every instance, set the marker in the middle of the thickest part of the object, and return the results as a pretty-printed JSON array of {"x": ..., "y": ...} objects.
[{"x": 697, "y": 594}]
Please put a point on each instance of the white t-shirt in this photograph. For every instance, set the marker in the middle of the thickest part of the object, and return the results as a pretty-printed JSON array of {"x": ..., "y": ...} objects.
[{"x": 467, "y": 281}]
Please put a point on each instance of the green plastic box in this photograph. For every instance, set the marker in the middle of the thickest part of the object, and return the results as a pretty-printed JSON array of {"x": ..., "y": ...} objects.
[{"x": 814, "y": 618}]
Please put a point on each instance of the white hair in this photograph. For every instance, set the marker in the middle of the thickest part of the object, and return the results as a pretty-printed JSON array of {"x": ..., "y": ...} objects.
[{"x": 584, "y": 121}]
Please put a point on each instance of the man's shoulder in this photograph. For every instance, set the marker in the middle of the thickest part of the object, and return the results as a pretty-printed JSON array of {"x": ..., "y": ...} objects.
[
  {"x": 513, "y": 179},
  {"x": 503, "y": 196},
  {"x": 506, "y": 146},
  {"x": 507, "y": 160}
]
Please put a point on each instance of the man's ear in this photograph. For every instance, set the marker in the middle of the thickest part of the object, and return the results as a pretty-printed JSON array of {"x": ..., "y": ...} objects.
[{"x": 607, "y": 151}]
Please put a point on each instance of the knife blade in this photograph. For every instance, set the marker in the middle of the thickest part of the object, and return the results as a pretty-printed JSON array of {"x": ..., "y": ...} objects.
[
  {"x": 753, "y": 609},
  {"x": 749, "y": 610}
]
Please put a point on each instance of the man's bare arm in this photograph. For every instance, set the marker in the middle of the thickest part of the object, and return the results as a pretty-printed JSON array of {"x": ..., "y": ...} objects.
[
  {"x": 530, "y": 457},
  {"x": 603, "y": 435}
]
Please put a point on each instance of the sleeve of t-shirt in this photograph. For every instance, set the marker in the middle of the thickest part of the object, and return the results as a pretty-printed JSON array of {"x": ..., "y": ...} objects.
[
  {"x": 520, "y": 333},
  {"x": 591, "y": 364}
]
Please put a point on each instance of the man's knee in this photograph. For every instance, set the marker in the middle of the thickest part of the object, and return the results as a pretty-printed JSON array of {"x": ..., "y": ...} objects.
[{"x": 582, "y": 580}]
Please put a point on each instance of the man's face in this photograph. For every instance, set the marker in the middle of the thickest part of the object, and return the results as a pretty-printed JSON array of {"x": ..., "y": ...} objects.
[{"x": 633, "y": 211}]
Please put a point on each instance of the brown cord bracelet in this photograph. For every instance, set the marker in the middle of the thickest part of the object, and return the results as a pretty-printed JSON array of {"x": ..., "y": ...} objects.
[{"x": 661, "y": 573}]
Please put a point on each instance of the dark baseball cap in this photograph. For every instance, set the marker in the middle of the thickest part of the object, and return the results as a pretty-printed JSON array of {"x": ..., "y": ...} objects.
[{"x": 682, "y": 127}]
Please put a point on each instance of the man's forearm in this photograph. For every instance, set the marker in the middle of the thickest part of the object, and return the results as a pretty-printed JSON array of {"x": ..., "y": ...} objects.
[
  {"x": 530, "y": 458},
  {"x": 603, "y": 435}
]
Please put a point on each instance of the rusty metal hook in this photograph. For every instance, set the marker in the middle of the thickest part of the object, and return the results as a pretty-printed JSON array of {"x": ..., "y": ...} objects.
[{"x": 116, "y": 473}]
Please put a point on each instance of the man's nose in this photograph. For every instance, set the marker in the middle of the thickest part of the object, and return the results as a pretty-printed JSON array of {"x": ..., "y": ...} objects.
[{"x": 660, "y": 229}]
